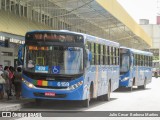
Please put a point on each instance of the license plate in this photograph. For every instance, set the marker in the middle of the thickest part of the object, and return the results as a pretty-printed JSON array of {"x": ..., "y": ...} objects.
[{"x": 49, "y": 94}]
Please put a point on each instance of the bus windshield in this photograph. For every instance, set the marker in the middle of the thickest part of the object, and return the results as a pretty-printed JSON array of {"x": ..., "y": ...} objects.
[
  {"x": 54, "y": 59},
  {"x": 124, "y": 63}
]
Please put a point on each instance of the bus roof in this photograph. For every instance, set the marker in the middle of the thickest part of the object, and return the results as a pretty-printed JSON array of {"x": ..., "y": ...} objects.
[
  {"x": 90, "y": 37},
  {"x": 135, "y": 51},
  {"x": 101, "y": 40}
]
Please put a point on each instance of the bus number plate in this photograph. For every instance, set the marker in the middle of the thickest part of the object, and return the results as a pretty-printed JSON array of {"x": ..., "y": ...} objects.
[{"x": 49, "y": 94}]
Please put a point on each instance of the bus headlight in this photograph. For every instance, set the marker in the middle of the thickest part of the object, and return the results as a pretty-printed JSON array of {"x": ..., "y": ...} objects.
[
  {"x": 30, "y": 85},
  {"x": 72, "y": 87},
  {"x": 126, "y": 78}
]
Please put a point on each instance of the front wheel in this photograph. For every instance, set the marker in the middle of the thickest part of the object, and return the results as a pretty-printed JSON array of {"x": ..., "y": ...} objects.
[
  {"x": 87, "y": 101},
  {"x": 106, "y": 97},
  {"x": 130, "y": 88}
]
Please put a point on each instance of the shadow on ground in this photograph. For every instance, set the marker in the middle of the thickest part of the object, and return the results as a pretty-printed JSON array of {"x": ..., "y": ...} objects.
[
  {"x": 54, "y": 105},
  {"x": 126, "y": 90}
]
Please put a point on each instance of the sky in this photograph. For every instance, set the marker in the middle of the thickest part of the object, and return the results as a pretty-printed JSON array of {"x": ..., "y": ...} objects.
[{"x": 142, "y": 9}]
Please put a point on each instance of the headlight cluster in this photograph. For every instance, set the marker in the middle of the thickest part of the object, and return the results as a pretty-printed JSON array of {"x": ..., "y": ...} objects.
[
  {"x": 125, "y": 79},
  {"x": 30, "y": 85},
  {"x": 72, "y": 87}
]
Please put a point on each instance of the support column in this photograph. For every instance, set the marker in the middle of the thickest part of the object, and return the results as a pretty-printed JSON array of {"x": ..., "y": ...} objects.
[{"x": 0, "y": 4}]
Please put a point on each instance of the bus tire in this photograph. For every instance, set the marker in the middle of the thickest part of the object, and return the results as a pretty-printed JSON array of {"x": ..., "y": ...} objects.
[
  {"x": 87, "y": 101},
  {"x": 106, "y": 97},
  {"x": 130, "y": 88},
  {"x": 155, "y": 74},
  {"x": 143, "y": 86}
]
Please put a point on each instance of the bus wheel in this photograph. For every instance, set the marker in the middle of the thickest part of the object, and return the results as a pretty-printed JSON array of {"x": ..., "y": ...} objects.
[
  {"x": 156, "y": 74},
  {"x": 106, "y": 97},
  {"x": 130, "y": 88},
  {"x": 143, "y": 86},
  {"x": 86, "y": 102},
  {"x": 38, "y": 101}
]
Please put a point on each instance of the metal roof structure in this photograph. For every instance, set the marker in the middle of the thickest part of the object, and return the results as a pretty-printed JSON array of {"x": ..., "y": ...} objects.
[{"x": 101, "y": 18}]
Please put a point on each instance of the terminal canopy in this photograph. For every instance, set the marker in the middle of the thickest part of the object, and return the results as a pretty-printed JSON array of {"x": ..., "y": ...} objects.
[{"x": 101, "y": 18}]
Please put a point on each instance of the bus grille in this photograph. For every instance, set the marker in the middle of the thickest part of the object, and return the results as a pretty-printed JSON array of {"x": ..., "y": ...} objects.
[{"x": 51, "y": 87}]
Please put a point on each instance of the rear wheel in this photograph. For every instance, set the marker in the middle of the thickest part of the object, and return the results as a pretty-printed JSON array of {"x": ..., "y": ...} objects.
[
  {"x": 143, "y": 86},
  {"x": 156, "y": 74},
  {"x": 106, "y": 97}
]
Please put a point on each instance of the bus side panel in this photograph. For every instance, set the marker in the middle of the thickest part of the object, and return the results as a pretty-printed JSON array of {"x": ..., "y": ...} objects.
[
  {"x": 148, "y": 74},
  {"x": 115, "y": 78},
  {"x": 141, "y": 76},
  {"x": 100, "y": 75}
]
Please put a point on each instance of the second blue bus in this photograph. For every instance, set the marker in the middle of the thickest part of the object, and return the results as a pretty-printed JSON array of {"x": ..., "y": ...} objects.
[{"x": 135, "y": 68}]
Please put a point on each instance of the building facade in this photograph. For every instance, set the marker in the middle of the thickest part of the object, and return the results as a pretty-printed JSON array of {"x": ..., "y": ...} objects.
[
  {"x": 6, "y": 57},
  {"x": 153, "y": 31}
]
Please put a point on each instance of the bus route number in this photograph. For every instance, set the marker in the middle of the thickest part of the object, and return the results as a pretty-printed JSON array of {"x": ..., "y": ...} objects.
[
  {"x": 64, "y": 84},
  {"x": 42, "y": 69}
]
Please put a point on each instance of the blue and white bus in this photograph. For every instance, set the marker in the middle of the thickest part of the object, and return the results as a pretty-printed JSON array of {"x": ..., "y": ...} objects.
[
  {"x": 65, "y": 65},
  {"x": 135, "y": 68}
]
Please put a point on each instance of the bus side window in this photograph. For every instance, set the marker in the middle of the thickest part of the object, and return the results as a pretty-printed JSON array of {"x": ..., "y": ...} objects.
[
  {"x": 108, "y": 49},
  {"x": 118, "y": 57},
  {"x": 89, "y": 46},
  {"x": 104, "y": 55},
  {"x": 97, "y": 54},
  {"x": 92, "y": 51},
  {"x": 142, "y": 60},
  {"x": 133, "y": 59},
  {"x": 101, "y": 55},
  {"x": 136, "y": 60},
  {"x": 111, "y": 55},
  {"x": 147, "y": 61},
  {"x": 139, "y": 60}
]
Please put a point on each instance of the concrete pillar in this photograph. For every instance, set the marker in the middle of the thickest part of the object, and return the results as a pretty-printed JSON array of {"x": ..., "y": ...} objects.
[{"x": 0, "y": 4}]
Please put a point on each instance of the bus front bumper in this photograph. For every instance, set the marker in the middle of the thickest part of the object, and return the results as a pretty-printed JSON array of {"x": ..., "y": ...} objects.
[{"x": 55, "y": 94}]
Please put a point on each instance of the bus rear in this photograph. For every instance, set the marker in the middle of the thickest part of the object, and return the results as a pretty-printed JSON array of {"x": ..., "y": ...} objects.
[{"x": 53, "y": 66}]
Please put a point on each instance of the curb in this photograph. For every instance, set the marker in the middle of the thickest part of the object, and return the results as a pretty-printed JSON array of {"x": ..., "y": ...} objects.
[{"x": 14, "y": 105}]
